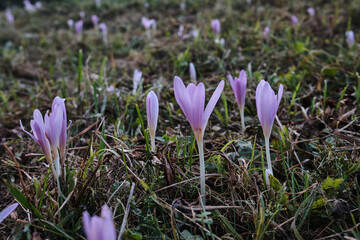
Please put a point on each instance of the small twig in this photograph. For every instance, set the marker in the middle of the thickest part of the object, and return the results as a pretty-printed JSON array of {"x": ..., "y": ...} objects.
[{"x": 127, "y": 209}]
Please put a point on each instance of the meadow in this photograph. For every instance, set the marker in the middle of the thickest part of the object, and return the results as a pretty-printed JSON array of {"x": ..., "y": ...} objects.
[{"x": 218, "y": 174}]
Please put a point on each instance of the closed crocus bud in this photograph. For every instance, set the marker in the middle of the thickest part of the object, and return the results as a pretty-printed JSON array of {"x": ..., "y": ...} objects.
[
  {"x": 59, "y": 105},
  {"x": 99, "y": 228},
  {"x": 136, "y": 80},
  {"x": 192, "y": 72},
  {"x": 350, "y": 38},
  {"x": 152, "y": 111},
  {"x": 267, "y": 104},
  {"x": 104, "y": 32},
  {"x": 294, "y": 21},
  {"x": 9, "y": 16},
  {"x": 215, "y": 24},
  {"x": 94, "y": 20},
  {"x": 266, "y": 32},
  {"x": 7, "y": 211},
  {"x": 311, "y": 11},
  {"x": 181, "y": 30},
  {"x": 79, "y": 28},
  {"x": 82, "y": 14},
  {"x": 70, "y": 23},
  {"x": 239, "y": 88}
]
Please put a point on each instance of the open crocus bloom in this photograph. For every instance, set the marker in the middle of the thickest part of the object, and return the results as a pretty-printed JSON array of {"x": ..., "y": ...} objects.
[
  {"x": 267, "y": 104},
  {"x": 50, "y": 133},
  {"x": 192, "y": 100},
  {"x": 99, "y": 228},
  {"x": 147, "y": 23},
  {"x": 152, "y": 110}
]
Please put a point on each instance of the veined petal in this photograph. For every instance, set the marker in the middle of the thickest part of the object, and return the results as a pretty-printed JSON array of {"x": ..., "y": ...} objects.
[
  {"x": 211, "y": 104},
  {"x": 191, "y": 90}
]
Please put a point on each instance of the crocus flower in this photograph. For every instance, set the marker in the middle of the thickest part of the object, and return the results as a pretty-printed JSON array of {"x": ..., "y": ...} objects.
[
  {"x": 195, "y": 33},
  {"x": 182, "y": 6},
  {"x": 267, "y": 104},
  {"x": 104, "y": 32},
  {"x": 136, "y": 80},
  {"x": 192, "y": 100},
  {"x": 311, "y": 11},
  {"x": 79, "y": 28},
  {"x": 192, "y": 72},
  {"x": 82, "y": 14},
  {"x": 9, "y": 16},
  {"x": 7, "y": 211},
  {"x": 215, "y": 24},
  {"x": 294, "y": 21},
  {"x": 147, "y": 23},
  {"x": 239, "y": 88},
  {"x": 350, "y": 38},
  {"x": 99, "y": 228},
  {"x": 70, "y": 23},
  {"x": 38, "y": 5},
  {"x": 29, "y": 7},
  {"x": 95, "y": 20},
  {"x": 152, "y": 110},
  {"x": 50, "y": 133},
  {"x": 266, "y": 32},
  {"x": 181, "y": 30}
]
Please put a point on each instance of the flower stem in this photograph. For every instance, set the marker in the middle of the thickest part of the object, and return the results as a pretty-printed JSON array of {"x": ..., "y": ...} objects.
[
  {"x": 153, "y": 148},
  {"x": 242, "y": 120},
  {"x": 202, "y": 171},
  {"x": 268, "y": 158}
]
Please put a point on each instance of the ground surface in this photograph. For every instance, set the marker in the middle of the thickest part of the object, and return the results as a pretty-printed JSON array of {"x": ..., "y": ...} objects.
[{"x": 315, "y": 150}]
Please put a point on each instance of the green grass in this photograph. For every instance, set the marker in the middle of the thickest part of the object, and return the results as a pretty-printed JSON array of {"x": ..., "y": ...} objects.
[{"x": 315, "y": 153}]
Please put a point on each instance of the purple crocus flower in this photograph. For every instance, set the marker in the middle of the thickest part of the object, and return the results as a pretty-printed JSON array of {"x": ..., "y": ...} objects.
[
  {"x": 267, "y": 104},
  {"x": 70, "y": 23},
  {"x": 215, "y": 24},
  {"x": 350, "y": 38},
  {"x": 99, "y": 228},
  {"x": 266, "y": 32},
  {"x": 192, "y": 72},
  {"x": 7, "y": 211},
  {"x": 182, "y": 5},
  {"x": 152, "y": 110},
  {"x": 136, "y": 80},
  {"x": 82, "y": 14},
  {"x": 294, "y": 21},
  {"x": 95, "y": 20},
  {"x": 104, "y": 32},
  {"x": 9, "y": 16},
  {"x": 192, "y": 101},
  {"x": 239, "y": 88},
  {"x": 181, "y": 31},
  {"x": 38, "y": 5},
  {"x": 147, "y": 23},
  {"x": 50, "y": 133},
  {"x": 29, "y": 7},
  {"x": 311, "y": 11},
  {"x": 79, "y": 28}
]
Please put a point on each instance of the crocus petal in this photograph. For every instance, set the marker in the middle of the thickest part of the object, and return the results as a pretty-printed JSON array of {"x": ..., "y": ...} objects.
[
  {"x": 6, "y": 212},
  {"x": 32, "y": 136},
  {"x": 109, "y": 231},
  {"x": 211, "y": 104},
  {"x": 191, "y": 90},
  {"x": 182, "y": 97},
  {"x": 259, "y": 90},
  {"x": 192, "y": 72},
  {"x": 242, "y": 81},
  {"x": 86, "y": 223},
  {"x": 198, "y": 102}
]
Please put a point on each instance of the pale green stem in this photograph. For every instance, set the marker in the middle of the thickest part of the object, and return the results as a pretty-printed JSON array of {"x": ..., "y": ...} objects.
[
  {"x": 268, "y": 158},
  {"x": 57, "y": 169},
  {"x": 148, "y": 33},
  {"x": 202, "y": 171},
  {"x": 242, "y": 119},
  {"x": 152, "y": 138}
]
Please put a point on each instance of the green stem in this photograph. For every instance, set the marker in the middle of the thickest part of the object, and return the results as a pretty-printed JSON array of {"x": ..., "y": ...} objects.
[
  {"x": 268, "y": 158},
  {"x": 242, "y": 119},
  {"x": 202, "y": 171}
]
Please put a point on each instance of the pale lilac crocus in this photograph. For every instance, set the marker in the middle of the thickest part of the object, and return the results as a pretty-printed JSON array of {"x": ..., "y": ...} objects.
[
  {"x": 9, "y": 17},
  {"x": 294, "y": 21},
  {"x": 38, "y": 5},
  {"x": 267, "y": 104},
  {"x": 350, "y": 38},
  {"x": 266, "y": 32},
  {"x": 7, "y": 211},
  {"x": 181, "y": 31},
  {"x": 50, "y": 133},
  {"x": 137, "y": 75},
  {"x": 70, "y": 23},
  {"x": 78, "y": 28},
  {"x": 82, "y": 15},
  {"x": 239, "y": 88},
  {"x": 99, "y": 228},
  {"x": 192, "y": 72},
  {"x": 311, "y": 11},
  {"x": 104, "y": 32},
  {"x": 95, "y": 20},
  {"x": 182, "y": 5},
  {"x": 148, "y": 23},
  {"x": 152, "y": 111},
  {"x": 215, "y": 24},
  {"x": 29, "y": 7},
  {"x": 191, "y": 100}
]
